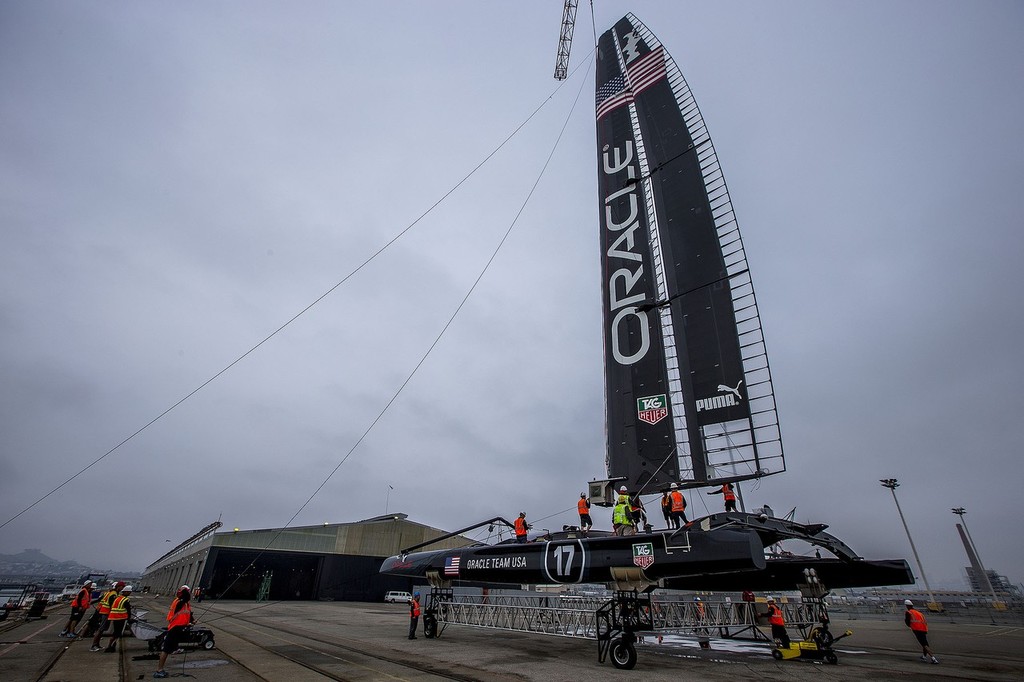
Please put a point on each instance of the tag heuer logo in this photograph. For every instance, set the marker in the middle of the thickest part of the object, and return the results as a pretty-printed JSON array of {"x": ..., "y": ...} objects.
[
  {"x": 643, "y": 555},
  {"x": 652, "y": 409}
]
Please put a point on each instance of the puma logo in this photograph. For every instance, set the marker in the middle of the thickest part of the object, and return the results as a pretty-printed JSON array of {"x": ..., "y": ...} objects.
[{"x": 734, "y": 391}]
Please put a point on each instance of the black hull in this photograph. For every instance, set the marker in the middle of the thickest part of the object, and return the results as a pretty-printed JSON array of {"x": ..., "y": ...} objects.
[{"x": 570, "y": 560}]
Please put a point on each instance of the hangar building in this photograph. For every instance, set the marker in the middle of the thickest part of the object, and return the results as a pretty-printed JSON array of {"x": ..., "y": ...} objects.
[{"x": 329, "y": 562}]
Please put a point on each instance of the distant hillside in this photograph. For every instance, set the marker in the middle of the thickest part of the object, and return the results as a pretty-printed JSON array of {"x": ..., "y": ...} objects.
[{"x": 32, "y": 562}]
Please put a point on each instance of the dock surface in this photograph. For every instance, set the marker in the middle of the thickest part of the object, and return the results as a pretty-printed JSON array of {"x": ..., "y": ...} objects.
[{"x": 297, "y": 641}]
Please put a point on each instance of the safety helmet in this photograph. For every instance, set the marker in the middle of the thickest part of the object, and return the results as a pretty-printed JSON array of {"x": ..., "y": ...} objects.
[
  {"x": 771, "y": 599},
  {"x": 88, "y": 583},
  {"x": 622, "y": 489},
  {"x": 127, "y": 588},
  {"x": 185, "y": 587},
  {"x": 119, "y": 585},
  {"x": 907, "y": 602},
  {"x": 583, "y": 494},
  {"x": 522, "y": 513},
  {"x": 696, "y": 599},
  {"x": 674, "y": 487},
  {"x": 415, "y": 594}
]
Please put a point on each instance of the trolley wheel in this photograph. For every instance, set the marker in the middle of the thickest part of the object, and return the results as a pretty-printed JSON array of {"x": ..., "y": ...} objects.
[
  {"x": 623, "y": 654},
  {"x": 429, "y": 627},
  {"x": 831, "y": 658},
  {"x": 206, "y": 642},
  {"x": 776, "y": 654}
]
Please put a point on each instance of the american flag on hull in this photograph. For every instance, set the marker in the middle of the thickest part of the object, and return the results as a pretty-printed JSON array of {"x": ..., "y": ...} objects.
[
  {"x": 451, "y": 565},
  {"x": 642, "y": 73}
]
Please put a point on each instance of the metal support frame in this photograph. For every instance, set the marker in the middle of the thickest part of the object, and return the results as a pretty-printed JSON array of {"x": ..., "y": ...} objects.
[{"x": 621, "y": 618}]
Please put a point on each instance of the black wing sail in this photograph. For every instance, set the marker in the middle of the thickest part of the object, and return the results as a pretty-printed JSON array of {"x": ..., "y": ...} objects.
[{"x": 688, "y": 390}]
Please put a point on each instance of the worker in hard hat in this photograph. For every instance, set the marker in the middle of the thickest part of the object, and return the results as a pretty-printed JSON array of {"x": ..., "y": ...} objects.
[
  {"x": 79, "y": 605},
  {"x": 583, "y": 507},
  {"x": 919, "y": 626},
  {"x": 120, "y": 612},
  {"x": 622, "y": 521},
  {"x": 521, "y": 526},
  {"x": 778, "y": 624},
  {"x": 678, "y": 506},
  {"x": 179, "y": 618}
]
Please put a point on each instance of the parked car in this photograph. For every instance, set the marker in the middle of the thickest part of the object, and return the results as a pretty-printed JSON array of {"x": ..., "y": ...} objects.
[{"x": 397, "y": 596}]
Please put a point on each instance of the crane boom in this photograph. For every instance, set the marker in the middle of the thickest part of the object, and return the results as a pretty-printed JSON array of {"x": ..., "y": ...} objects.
[{"x": 565, "y": 39}]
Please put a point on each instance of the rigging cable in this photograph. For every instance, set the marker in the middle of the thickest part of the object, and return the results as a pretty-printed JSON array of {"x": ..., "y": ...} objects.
[{"x": 301, "y": 312}]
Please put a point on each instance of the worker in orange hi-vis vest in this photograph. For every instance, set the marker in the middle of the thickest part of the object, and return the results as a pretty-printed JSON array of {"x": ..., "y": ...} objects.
[
  {"x": 778, "y": 624},
  {"x": 919, "y": 626},
  {"x": 583, "y": 507},
  {"x": 120, "y": 612},
  {"x": 678, "y": 506},
  {"x": 729, "y": 494},
  {"x": 521, "y": 527},
  {"x": 414, "y": 614},
  {"x": 79, "y": 605}
]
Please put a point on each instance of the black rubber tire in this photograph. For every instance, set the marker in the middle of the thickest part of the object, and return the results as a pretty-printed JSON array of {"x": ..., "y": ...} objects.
[
  {"x": 207, "y": 643},
  {"x": 776, "y": 654},
  {"x": 429, "y": 627},
  {"x": 831, "y": 658},
  {"x": 623, "y": 655}
]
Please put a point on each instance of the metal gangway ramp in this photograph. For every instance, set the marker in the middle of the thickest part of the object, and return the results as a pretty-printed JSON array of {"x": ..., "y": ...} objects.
[{"x": 572, "y": 616}]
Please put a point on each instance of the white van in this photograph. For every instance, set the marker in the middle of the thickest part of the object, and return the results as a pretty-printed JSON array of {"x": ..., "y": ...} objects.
[{"x": 396, "y": 596}]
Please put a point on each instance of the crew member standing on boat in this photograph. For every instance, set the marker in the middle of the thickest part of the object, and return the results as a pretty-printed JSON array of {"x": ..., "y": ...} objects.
[
  {"x": 666, "y": 509},
  {"x": 521, "y": 527},
  {"x": 414, "y": 614},
  {"x": 583, "y": 507},
  {"x": 622, "y": 522},
  {"x": 919, "y": 626},
  {"x": 678, "y": 506},
  {"x": 729, "y": 494}
]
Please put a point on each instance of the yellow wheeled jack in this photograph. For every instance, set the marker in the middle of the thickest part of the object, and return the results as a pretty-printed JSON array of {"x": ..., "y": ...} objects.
[{"x": 817, "y": 646}]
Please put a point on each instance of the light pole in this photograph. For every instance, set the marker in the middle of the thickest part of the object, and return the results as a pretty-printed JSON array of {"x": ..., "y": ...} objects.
[
  {"x": 387, "y": 500},
  {"x": 960, "y": 511},
  {"x": 892, "y": 484}
]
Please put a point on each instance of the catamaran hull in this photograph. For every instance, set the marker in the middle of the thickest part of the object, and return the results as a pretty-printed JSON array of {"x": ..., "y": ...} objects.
[{"x": 647, "y": 557}]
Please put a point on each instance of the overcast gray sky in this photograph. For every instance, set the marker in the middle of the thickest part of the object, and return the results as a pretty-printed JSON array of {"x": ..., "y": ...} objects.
[{"x": 178, "y": 180}]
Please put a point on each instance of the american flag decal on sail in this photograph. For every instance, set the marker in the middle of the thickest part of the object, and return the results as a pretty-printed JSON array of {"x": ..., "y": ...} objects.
[
  {"x": 451, "y": 565},
  {"x": 642, "y": 74}
]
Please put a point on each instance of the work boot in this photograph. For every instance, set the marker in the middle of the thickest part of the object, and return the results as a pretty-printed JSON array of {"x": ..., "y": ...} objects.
[{"x": 934, "y": 660}]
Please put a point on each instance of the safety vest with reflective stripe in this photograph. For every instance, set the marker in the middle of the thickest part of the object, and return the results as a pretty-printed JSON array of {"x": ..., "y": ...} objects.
[
  {"x": 917, "y": 621},
  {"x": 520, "y": 526},
  {"x": 678, "y": 503},
  {"x": 182, "y": 617},
  {"x": 414, "y": 608},
  {"x": 119, "y": 608},
  {"x": 728, "y": 492},
  {"x": 775, "y": 615},
  {"x": 104, "y": 607},
  {"x": 620, "y": 515},
  {"x": 583, "y": 506},
  {"x": 82, "y": 600}
]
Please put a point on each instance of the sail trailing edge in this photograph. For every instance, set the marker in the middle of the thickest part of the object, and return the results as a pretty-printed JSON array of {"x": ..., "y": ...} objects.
[{"x": 688, "y": 388}]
